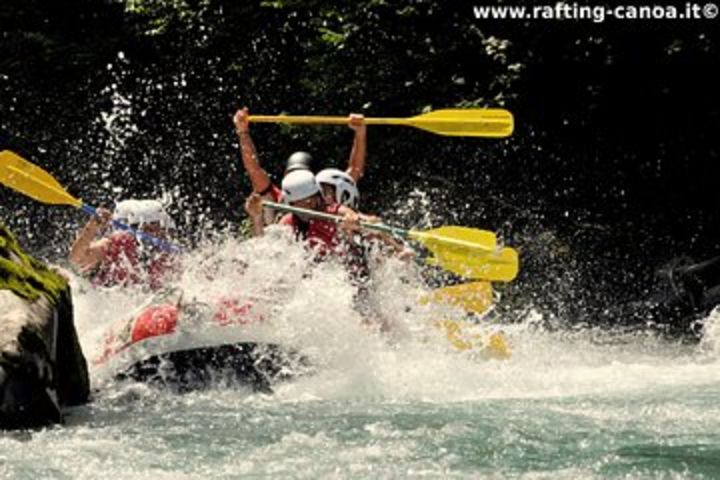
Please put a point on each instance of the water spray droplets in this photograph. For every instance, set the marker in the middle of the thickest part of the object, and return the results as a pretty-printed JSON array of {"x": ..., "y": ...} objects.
[{"x": 117, "y": 120}]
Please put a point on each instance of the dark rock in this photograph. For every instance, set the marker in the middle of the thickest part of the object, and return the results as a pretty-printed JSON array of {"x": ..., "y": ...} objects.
[{"x": 42, "y": 367}]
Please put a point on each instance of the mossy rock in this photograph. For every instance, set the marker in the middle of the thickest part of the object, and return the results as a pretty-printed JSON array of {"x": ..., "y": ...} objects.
[
  {"x": 24, "y": 275},
  {"x": 42, "y": 367}
]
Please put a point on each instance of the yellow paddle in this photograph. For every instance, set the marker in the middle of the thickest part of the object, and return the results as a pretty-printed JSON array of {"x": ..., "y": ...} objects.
[
  {"x": 494, "y": 345},
  {"x": 466, "y": 251},
  {"x": 31, "y": 180},
  {"x": 469, "y": 252},
  {"x": 475, "y": 297},
  {"x": 472, "y": 122},
  {"x": 500, "y": 266}
]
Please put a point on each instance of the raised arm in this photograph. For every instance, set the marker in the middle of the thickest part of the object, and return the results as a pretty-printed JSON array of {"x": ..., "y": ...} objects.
[
  {"x": 258, "y": 176},
  {"x": 356, "y": 166}
]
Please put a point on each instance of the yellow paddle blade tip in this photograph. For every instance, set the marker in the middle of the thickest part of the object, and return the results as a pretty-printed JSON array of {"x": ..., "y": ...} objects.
[
  {"x": 502, "y": 266},
  {"x": 490, "y": 347},
  {"x": 470, "y": 122},
  {"x": 476, "y": 297},
  {"x": 497, "y": 347},
  {"x": 31, "y": 180}
]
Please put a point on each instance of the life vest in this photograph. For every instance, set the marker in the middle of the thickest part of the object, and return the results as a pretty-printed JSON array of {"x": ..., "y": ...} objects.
[
  {"x": 123, "y": 264},
  {"x": 321, "y": 235}
]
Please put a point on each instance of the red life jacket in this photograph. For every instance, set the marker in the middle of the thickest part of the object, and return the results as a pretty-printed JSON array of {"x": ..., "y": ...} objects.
[
  {"x": 321, "y": 235},
  {"x": 122, "y": 264}
]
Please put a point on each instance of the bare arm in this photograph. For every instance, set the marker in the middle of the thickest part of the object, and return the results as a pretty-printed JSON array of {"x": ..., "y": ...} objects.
[
  {"x": 351, "y": 224},
  {"x": 85, "y": 252},
  {"x": 254, "y": 208},
  {"x": 258, "y": 176},
  {"x": 356, "y": 165}
]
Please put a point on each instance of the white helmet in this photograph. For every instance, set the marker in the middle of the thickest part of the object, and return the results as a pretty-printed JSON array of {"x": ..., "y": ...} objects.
[
  {"x": 140, "y": 212},
  {"x": 299, "y": 185},
  {"x": 346, "y": 191},
  {"x": 125, "y": 211}
]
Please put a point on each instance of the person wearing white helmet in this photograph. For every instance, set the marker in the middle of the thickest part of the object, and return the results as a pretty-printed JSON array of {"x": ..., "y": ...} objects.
[
  {"x": 338, "y": 187},
  {"x": 119, "y": 258},
  {"x": 300, "y": 189},
  {"x": 143, "y": 214},
  {"x": 260, "y": 179}
]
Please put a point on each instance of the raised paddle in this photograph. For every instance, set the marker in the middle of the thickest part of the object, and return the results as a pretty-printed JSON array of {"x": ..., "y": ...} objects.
[
  {"x": 467, "y": 251},
  {"x": 31, "y": 180},
  {"x": 471, "y": 122}
]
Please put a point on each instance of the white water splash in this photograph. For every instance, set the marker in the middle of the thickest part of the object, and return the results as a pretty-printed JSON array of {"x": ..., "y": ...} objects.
[
  {"x": 310, "y": 307},
  {"x": 573, "y": 404}
]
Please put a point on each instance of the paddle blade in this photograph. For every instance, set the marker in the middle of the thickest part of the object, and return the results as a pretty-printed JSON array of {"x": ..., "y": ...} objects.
[
  {"x": 31, "y": 180},
  {"x": 462, "y": 241},
  {"x": 476, "y": 297},
  {"x": 464, "y": 337},
  {"x": 497, "y": 347},
  {"x": 11, "y": 158},
  {"x": 477, "y": 122},
  {"x": 502, "y": 266}
]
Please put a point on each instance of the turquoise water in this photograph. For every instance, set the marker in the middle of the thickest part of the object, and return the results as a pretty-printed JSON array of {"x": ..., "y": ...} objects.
[
  {"x": 653, "y": 432},
  {"x": 581, "y": 404}
]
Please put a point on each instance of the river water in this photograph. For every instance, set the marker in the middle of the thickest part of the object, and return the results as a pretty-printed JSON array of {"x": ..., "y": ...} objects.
[{"x": 567, "y": 404}]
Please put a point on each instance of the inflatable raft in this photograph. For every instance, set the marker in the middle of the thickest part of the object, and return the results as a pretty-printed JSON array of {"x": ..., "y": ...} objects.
[{"x": 191, "y": 345}]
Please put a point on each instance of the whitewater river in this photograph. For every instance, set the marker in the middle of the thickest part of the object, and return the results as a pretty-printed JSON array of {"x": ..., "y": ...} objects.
[{"x": 566, "y": 404}]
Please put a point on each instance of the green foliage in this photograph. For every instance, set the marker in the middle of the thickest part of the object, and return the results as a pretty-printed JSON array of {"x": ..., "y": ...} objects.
[
  {"x": 188, "y": 64},
  {"x": 245, "y": 229},
  {"x": 159, "y": 17}
]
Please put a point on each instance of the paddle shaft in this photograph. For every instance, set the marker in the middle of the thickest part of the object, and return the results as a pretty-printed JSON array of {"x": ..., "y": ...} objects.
[
  {"x": 421, "y": 236},
  {"x": 379, "y": 227},
  {"x": 476, "y": 264},
  {"x": 31, "y": 180},
  {"x": 321, "y": 120},
  {"x": 471, "y": 122}
]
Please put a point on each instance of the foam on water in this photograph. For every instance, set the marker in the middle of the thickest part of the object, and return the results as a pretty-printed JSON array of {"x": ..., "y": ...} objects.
[
  {"x": 314, "y": 313},
  {"x": 567, "y": 404}
]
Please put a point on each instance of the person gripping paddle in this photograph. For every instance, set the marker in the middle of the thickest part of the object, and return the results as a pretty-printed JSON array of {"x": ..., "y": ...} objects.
[
  {"x": 119, "y": 258},
  {"x": 261, "y": 182}
]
